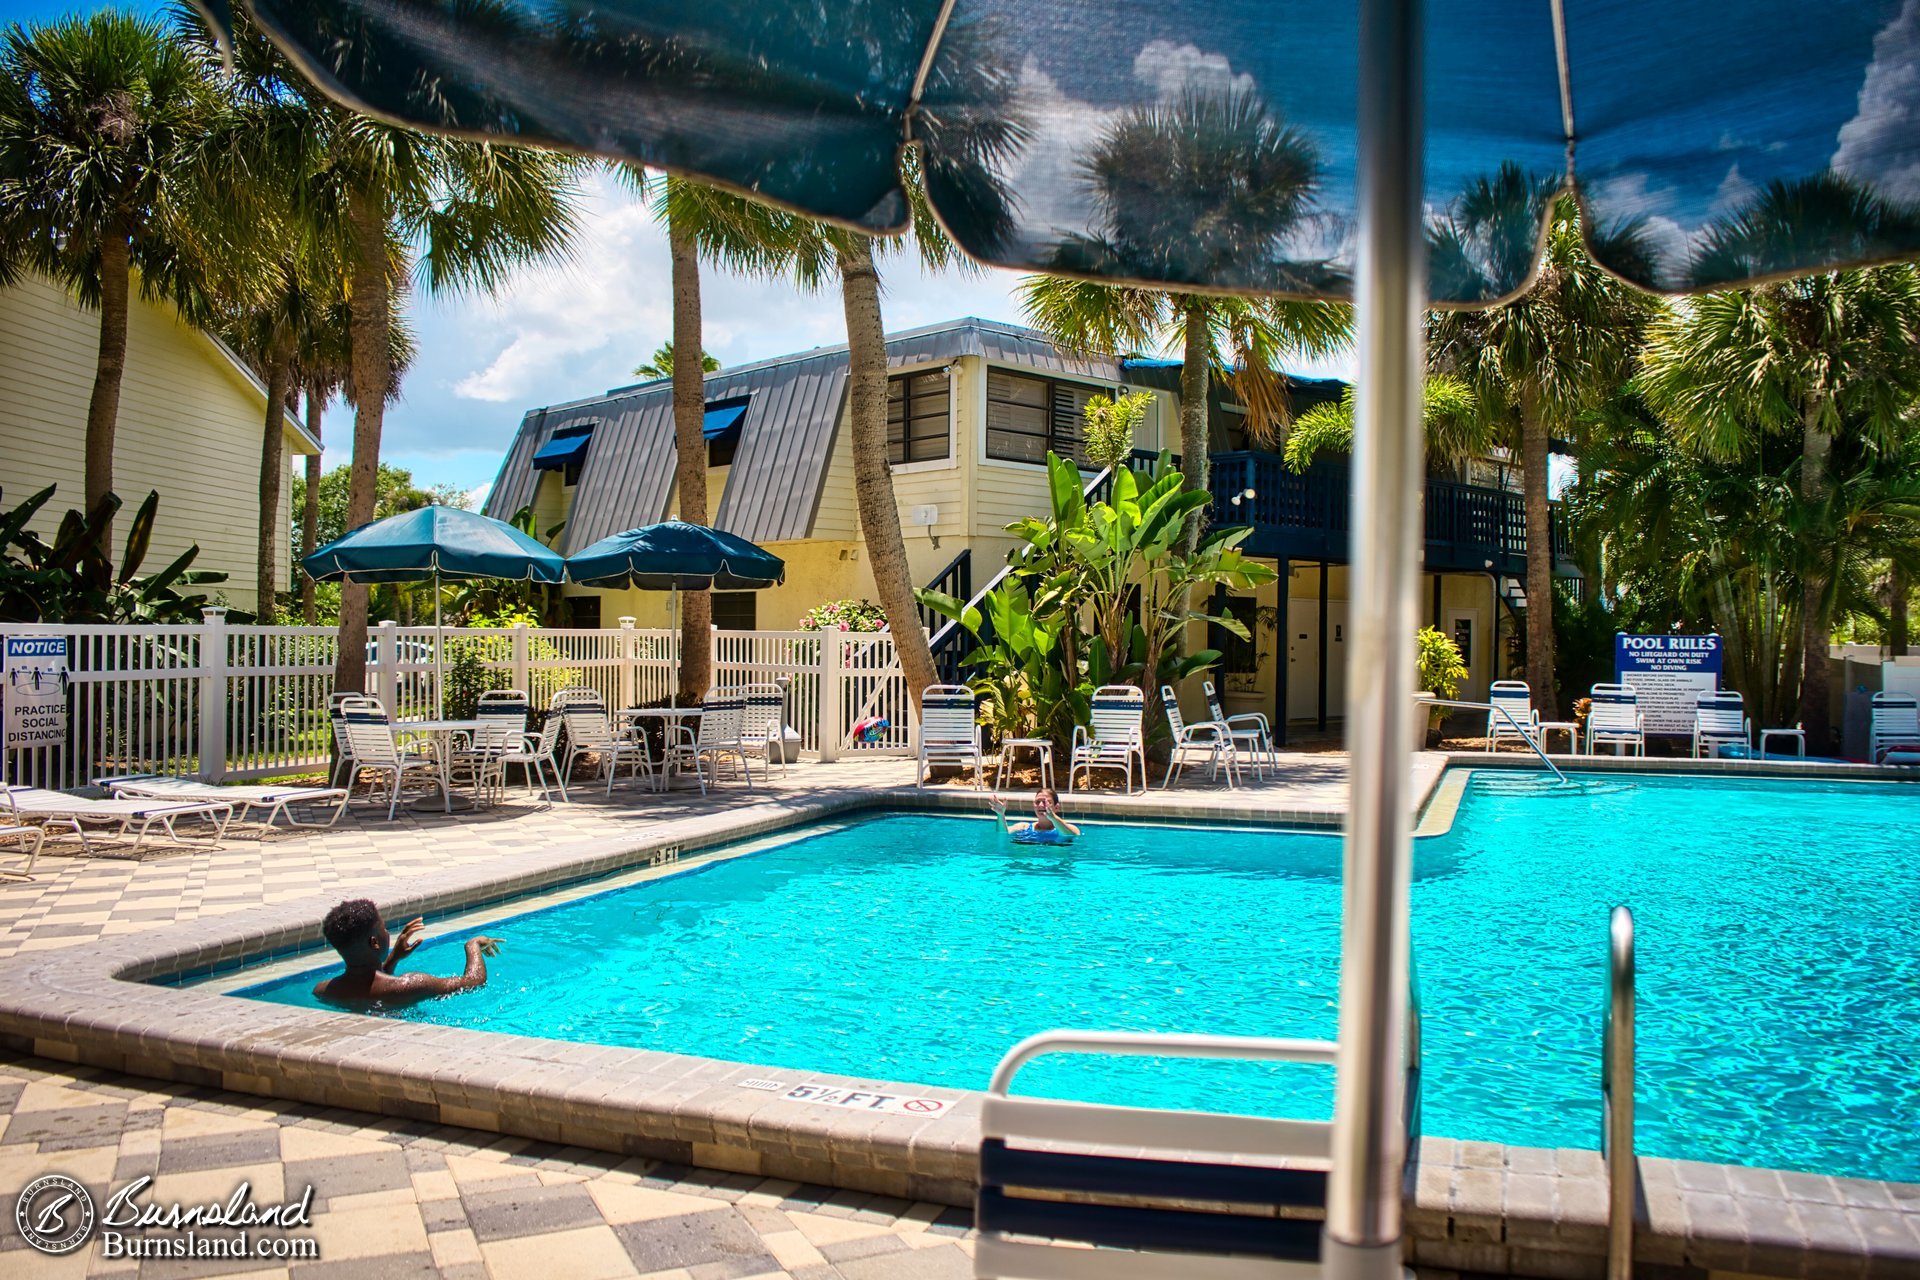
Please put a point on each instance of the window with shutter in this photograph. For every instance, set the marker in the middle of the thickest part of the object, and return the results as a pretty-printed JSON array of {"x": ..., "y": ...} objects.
[
  {"x": 919, "y": 417},
  {"x": 1027, "y": 416}
]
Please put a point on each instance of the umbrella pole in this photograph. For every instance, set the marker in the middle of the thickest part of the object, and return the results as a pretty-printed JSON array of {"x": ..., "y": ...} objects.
[
  {"x": 673, "y": 625},
  {"x": 1362, "y": 1240},
  {"x": 439, "y": 656}
]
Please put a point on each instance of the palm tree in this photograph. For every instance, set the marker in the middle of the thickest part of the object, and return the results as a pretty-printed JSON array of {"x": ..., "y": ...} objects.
[
  {"x": 1457, "y": 429},
  {"x": 1539, "y": 362},
  {"x": 1824, "y": 358},
  {"x": 1200, "y": 189},
  {"x": 661, "y": 363},
  {"x": 110, "y": 148}
]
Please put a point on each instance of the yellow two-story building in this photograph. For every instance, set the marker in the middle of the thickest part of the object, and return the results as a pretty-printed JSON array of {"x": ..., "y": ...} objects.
[{"x": 974, "y": 406}]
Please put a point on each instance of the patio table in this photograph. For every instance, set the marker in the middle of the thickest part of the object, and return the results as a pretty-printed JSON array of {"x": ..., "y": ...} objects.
[
  {"x": 669, "y": 715},
  {"x": 439, "y": 735}
]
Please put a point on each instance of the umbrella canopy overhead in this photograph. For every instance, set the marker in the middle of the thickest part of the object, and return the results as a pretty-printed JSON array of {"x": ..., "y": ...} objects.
[
  {"x": 1208, "y": 144},
  {"x": 434, "y": 541},
  {"x": 676, "y": 556}
]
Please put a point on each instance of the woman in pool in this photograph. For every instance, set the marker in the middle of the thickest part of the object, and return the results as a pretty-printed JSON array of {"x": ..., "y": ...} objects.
[{"x": 1049, "y": 825}]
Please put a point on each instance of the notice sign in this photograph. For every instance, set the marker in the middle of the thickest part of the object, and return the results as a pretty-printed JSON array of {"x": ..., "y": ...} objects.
[
  {"x": 36, "y": 692},
  {"x": 1669, "y": 673}
]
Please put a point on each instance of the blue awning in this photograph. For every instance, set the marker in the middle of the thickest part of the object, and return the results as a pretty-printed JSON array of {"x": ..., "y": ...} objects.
[
  {"x": 723, "y": 418},
  {"x": 569, "y": 445}
]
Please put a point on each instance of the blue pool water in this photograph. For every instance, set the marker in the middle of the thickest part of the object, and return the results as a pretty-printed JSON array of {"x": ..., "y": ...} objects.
[{"x": 1779, "y": 948}]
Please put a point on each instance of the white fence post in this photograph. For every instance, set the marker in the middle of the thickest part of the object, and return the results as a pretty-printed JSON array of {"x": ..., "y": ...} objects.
[
  {"x": 629, "y": 657},
  {"x": 832, "y": 659},
  {"x": 521, "y": 675},
  {"x": 213, "y": 694},
  {"x": 385, "y": 684}
]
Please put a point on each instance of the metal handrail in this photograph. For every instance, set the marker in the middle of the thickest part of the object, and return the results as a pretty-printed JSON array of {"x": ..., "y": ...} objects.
[
  {"x": 1525, "y": 737},
  {"x": 1616, "y": 1087}
]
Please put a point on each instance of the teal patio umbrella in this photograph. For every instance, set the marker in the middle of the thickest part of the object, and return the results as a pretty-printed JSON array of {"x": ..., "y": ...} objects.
[
  {"x": 674, "y": 556},
  {"x": 434, "y": 544},
  {"x": 1268, "y": 147}
]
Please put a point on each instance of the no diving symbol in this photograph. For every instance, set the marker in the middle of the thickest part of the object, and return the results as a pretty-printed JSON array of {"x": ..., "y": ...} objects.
[{"x": 920, "y": 1104}]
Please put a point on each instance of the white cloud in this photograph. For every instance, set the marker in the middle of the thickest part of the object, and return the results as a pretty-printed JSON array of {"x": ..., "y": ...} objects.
[
  {"x": 1879, "y": 144},
  {"x": 1734, "y": 192},
  {"x": 475, "y": 498},
  {"x": 1631, "y": 195},
  {"x": 1170, "y": 70}
]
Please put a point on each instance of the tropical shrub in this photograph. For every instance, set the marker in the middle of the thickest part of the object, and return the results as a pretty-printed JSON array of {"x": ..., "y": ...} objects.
[
  {"x": 1111, "y": 422},
  {"x": 1441, "y": 669},
  {"x": 845, "y": 615},
  {"x": 73, "y": 578}
]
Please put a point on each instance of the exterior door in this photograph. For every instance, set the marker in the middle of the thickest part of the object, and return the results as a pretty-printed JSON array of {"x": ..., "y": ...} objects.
[
  {"x": 1463, "y": 625},
  {"x": 1303, "y": 659}
]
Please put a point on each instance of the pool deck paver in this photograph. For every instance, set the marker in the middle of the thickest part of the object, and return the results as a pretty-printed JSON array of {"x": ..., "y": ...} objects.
[{"x": 404, "y": 1198}]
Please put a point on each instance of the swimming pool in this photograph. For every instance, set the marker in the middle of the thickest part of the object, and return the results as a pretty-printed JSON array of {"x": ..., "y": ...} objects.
[{"x": 1779, "y": 940}]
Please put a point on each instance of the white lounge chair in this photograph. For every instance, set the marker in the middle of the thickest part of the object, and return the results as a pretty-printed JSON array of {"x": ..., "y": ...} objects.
[
  {"x": 1208, "y": 737},
  {"x": 1115, "y": 739},
  {"x": 1895, "y": 726},
  {"x": 370, "y": 735},
  {"x": 949, "y": 732},
  {"x": 34, "y": 837},
  {"x": 1516, "y": 699},
  {"x": 277, "y": 801},
  {"x": 1720, "y": 719},
  {"x": 1614, "y": 718},
  {"x": 1250, "y": 730},
  {"x": 717, "y": 739},
  {"x": 124, "y": 815}
]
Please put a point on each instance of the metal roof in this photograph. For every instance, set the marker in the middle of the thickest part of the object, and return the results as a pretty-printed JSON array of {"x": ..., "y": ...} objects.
[{"x": 794, "y": 410}]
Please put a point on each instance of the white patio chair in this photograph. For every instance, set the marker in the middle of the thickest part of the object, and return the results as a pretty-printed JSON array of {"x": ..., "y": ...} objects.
[
  {"x": 275, "y": 800},
  {"x": 1720, "y": 719},
  {"x": 375, "y": 752},
  {"x": 1516, "y": 699},
  {"x": 535, "y": 752},
  {"x": 949, "y": 732},
  {"x": 1614, "y": 718},
  {"x": 590, "y": 733},
  {"x": 763, "y": 721},
  {"x": 1115, "y": 739},
  {"x": 1208, "y": 736},
  {"x": 1249, "y": 730},
  {"x": 502, "y": 716},
  {"x": 1895, "y": 725},
  {"x": 716, "y": 739},
  {"x": 123, "y": 815}
]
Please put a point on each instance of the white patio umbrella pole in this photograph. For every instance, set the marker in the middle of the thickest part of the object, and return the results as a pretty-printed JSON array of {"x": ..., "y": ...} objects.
[
  {"x": 439, "y": 653},
  {"x": 1362, "y": 1240}
]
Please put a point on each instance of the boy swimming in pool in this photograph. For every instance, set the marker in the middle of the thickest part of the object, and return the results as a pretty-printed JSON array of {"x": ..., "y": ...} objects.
[
  {"x": 1049, "y": 825},
  {"x": 355, "y": 930}
]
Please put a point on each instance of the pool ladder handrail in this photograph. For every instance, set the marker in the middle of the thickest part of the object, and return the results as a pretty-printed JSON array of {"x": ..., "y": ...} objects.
[
  {"x": 1427, "y": 700},
  {"x": 1616, "y": 1087}
]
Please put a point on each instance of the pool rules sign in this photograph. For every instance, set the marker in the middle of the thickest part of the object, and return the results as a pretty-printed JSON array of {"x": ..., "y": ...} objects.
[
  {"x": 36, "y": 692},
  {"x": 1669, "y": 673}
]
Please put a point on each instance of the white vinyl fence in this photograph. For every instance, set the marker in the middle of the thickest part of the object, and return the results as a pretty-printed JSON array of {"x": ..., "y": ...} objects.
[{"x": 222, "y": 701}]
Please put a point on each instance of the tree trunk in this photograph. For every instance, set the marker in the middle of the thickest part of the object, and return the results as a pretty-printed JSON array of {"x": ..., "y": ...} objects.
[
  {"x": 872, "y": 474},
  {"x": 371, "y": 353},
  {"x": 1534, "y": 448},
  {"x": 1196, "y": 378},
  {"x": 690, "y": 445},
  {"x": 273, "y": 466},
  {"x": 1897, "y": 630},
  {"x": 103, "y": 408},
  {"x": 310, "y": 516},
  {"x": 1815, "y": 624}
]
